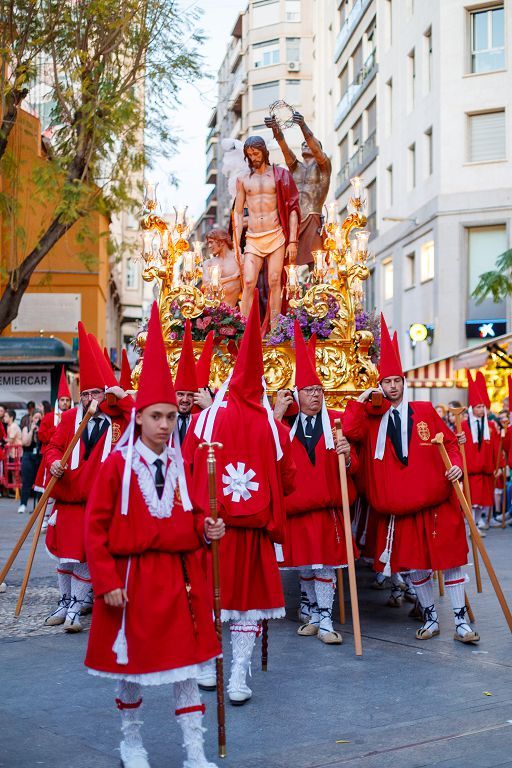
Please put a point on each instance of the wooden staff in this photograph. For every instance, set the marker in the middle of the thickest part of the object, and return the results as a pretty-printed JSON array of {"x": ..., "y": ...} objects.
[
  {"x": 264, "y": 645},
  {"x": 348, "y": 545},
  {"x": 440, "y": 583},
  {"x": 211, "y": 464},
  {"x": 341, "y": 594},
  {"x": 41, "y": 505},
  {"x": 457, "y": 412},
  {"x": 471, "y": 615},
  {"x": 503, "y": 500},
  {"x": 468, "y": 512}
]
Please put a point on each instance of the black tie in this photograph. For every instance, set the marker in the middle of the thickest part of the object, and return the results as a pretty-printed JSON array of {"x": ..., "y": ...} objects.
[
  {"x": 94, "y": 436},
  {"x": 308, "y": 434},
  {"x": 182, "y": 427},
  {"x": 480, "y": 431},
  {"x": 159, "y": 477},
  {"x": 396, "y": 435}
]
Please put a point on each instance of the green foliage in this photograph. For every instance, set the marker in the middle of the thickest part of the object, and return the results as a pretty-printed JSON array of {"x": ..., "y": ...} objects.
[{"x": 496, "y": 283}]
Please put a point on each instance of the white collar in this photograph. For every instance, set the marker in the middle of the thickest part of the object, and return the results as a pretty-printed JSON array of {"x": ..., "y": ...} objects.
[
  {"x": 148, "y": 455},
  {"x": 403, "y": 410}
]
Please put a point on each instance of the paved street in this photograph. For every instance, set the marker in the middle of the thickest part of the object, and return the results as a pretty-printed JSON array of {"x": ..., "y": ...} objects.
[{"x": 405, "y": 704}]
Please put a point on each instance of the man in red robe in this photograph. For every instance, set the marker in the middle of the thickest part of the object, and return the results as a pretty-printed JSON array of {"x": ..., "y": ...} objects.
[
  {"x": 254, "y": 471},
  {"x": 152, "y": 619},
  {"x": 482, "y": 445},
  {"x": 65, "y": 533},
  {"x": 420, "y": 527},
  {"x": 315, "y": 538}
]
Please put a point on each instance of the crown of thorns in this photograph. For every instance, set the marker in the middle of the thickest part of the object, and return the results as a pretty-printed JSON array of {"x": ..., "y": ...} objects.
[{"x": 282, "y": 113}]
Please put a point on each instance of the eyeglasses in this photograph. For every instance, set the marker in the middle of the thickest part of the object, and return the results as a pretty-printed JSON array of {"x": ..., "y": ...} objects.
[
  {"x": 90, "y": 393},
  {"x": 312, "y": 390}
]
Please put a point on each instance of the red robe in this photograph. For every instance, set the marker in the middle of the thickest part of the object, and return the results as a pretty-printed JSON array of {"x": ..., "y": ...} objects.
[
  {"x": 287, "y": 196},
  {"x": 65, "y": 532},
  {"x": 314, "y": 518},
  {"x": 249, "y": 574},
  {"x": 46, "y": 431},
  {"x": 481, "y": 463},
  {"x": 163, "y": 632},
  {"x": 429, "y": 528}
]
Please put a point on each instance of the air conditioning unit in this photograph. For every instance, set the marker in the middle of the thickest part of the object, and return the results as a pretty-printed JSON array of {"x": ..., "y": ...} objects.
[{"x": 294, "y": 66}]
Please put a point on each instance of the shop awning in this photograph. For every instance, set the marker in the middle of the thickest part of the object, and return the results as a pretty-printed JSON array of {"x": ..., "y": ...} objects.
[{"x": 451, "y": 371}]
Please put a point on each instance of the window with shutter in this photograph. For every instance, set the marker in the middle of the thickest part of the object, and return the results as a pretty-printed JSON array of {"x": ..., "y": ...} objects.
[{"x": 487, "y": 137}]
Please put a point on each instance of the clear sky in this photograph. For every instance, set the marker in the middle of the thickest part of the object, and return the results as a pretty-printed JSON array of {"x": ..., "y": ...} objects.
[{"x": 192, "y": 117}]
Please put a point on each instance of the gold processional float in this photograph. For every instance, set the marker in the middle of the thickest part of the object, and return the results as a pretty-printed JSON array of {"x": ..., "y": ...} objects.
[{"x": 332, "y": 291}]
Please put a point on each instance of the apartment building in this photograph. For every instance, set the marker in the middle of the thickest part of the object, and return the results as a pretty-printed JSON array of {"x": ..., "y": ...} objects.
[
  {"x": 424, "y": 116},
  {"x": 269, "y": 57}
]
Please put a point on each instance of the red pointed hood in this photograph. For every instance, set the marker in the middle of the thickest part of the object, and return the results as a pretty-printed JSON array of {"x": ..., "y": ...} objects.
[
  {"x": 91, "y": 376},
  {"x": 107, "y": 357},
  {"x": 482, "y": 385},
  {"x": 63, "y": 390},
  {"x": 186, "y": 380},
  {"x": 305, "y": 370},
  {"x": 125, "y": 379},
  {"x": 109, "y": 380},
  {"x": 246, "y": 381},
  {"x": 390, "y": 363},
  {"x": 155, "y": 382},
  {"x": 204, "y": 363}
]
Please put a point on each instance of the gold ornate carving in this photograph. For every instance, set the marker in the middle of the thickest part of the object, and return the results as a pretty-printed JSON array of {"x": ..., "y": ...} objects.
[
  {"x": 332, "y": 366},
  {"x": 278, "y": 368}
]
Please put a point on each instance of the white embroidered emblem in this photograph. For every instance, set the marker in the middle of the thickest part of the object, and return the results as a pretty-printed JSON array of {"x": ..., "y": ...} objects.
[{"x": 239, "y": 482}]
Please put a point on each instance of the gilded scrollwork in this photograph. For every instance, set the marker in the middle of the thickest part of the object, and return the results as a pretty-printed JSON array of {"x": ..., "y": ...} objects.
[
  {"x": 278, "y": 368},
  {"x": 332, "y": 366}
]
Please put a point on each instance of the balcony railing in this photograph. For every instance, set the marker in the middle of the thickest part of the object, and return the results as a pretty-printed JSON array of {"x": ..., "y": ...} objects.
[
  {"x": 211, "y": 200},
  {"x": 360, "y": 160},
  {"x": 349, "y": 25},
  {"x": 238, "y": 84},
  {"x": 356, "y": 88},
  {"x": 235, "y": 55}
]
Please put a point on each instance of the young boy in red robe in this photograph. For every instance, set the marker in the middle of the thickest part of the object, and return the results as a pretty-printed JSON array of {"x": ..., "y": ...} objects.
[
  {"x": 481, "y": 441},
  {"x": 254, "y": 471},
  {"x": 315, "y": 538},
  {"x": 65, "y": 533},
  {"x": 420, "y": 526},
  {"x": 152, "y": 617}
]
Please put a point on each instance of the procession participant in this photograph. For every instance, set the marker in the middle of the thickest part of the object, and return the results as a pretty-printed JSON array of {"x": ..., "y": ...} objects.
[
  {"x": 142, "y": 536},
  {"x": 482, "y": 444},
  {"x": 47, "y": 429},
  {"x": 256, "y": 472},
  {"x": 272, "y": 199},
  {"x": 312, "y": 177},
  {"x": 65, "y": 533},
  {"x": 420, "y": 526},
  {"x": 186, "y": 383},
  {"x": 220, "y": 246},
  {"x": 315, "y": 539}
]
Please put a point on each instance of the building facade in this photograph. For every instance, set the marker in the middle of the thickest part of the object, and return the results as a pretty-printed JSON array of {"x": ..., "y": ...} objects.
[
  {"x": 424, "y": 116},
  {"x": 269, "y": 58}
]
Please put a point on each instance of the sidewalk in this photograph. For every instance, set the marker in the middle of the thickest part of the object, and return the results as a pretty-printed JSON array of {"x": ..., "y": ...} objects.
[{"x": 404, "y": 704}]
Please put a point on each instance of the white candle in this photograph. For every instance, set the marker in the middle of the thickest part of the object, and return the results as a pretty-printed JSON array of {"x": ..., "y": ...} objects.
[
  {"x": 362, "y": 242},
  {"x": 292, "y": 276},
  {"x": 150, "y": 192},
  {"x": 147, "y": 239},
  {"x": 215, "y": 276},
  {"x": 198, "y": 248},
  {"x": 357, "y": 187},
  {"x": 318, "y": 258},
  {"x": 188, "y": 263},
  {"x": 331, "y": 213},
  {"x": 165, "y": 240},
  {"x": 180, "y": 216}
]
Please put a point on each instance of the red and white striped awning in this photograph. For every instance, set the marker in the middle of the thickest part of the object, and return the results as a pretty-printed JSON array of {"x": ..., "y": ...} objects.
[{"x": 449, "y": 372}]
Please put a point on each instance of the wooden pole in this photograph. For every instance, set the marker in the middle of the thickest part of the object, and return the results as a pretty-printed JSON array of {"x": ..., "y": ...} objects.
[
  {"x": 471, "y": 615},
  {"x": 348, "y": 544},
  {"x": 468, "y": 512},
  {"x": 211, "y": 464},
  {"x": 41, "y": 504},
  {"x": 440, "y": 582},
  {"x": 30, "y": 560},
  {"x": 341, "y": 594},
  {"x": 496, "y": 470},
  {"x": 457, "y": 412}
]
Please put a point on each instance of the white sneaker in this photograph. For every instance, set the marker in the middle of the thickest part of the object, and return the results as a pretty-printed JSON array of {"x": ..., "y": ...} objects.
[
  {"x": 483, "y": 524},
  {"x": 494, "y": 523},
  {"x": 238, "y": 690},
  {"x": 21, "y": 509}
]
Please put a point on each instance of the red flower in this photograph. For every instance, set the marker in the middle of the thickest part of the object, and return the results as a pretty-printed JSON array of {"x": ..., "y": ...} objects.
[
  {"x": 227, "y": 330},
  {"x": 203, "y": 322}
]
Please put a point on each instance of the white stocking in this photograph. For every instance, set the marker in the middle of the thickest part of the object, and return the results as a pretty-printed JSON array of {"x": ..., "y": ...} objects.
[
  {"x": 454, "y": 580},
  {"x": 422, "y": 583},
  {"x": 189, "y": 714},
  {"x": 64, "y": 580},
  {"x": 308, "y": 604},
  {"x": 128, "y": 702},
  {"x": 243, "y": 637},
  {"x": 325, "y": 584},
  {"x": 80, "y": 587}
]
